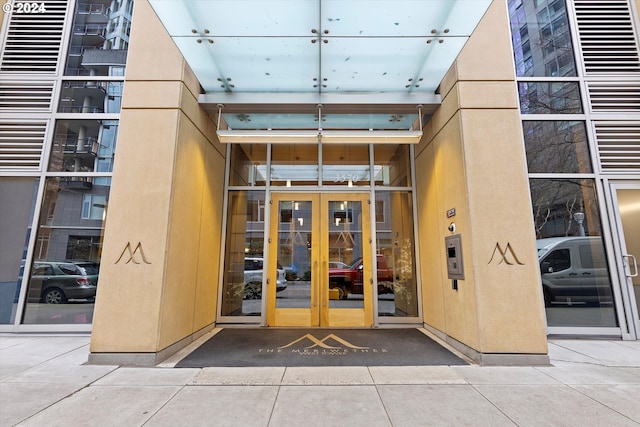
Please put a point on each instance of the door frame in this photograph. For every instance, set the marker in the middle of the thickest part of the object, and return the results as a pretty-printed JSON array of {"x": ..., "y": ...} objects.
[
  {"x": 630, "y": 305},
  {"x": 320, "y": 313}
]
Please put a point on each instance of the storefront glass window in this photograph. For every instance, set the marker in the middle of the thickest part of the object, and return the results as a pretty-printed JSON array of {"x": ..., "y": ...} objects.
[
  {"x": 66, "y": 260},
  {"x": 17, "y": 196},
  {"x": 549, "y": 98},
  {"x": 293, "y": 165},
  {"x": 556, "y": 147},
  {"x": 244, "y": 254},
  {"x": 248, "y": 165},
  {"x": 99, "y": 38},
  {"x": 90, "y": 97},
  {"x": 83, "y": 146},
  {"x": 392, "y": 165},
  {"x": 575, "y": 276},
  {"x": 345, "y": 165},
  {"x": 397, "y": 288},
  {"x": 541, "y": 38}
]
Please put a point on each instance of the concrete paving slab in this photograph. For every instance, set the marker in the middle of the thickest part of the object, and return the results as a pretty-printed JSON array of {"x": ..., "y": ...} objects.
[
  {"x": 592, "y": 374},
  {"x": 79, "y": 356},
  {"x": 218, "y": 406},
  {"x": 415, "y": 375},
  {"x": 105, "y": 406},
  {"x": 47, "y": 373},
  {"x": 439, "y": 405},
  {"x": 560, "y": 355},
  {"x": 9, "y": 370},
  {"x": 22, "y": 400},
  {"x": 327, "y": 375},
  {"x": 503, "y": 375},
  {"x": 147, "y": 377},
  {"x": 239, "y": 376},
  {"x": 11, "y": 340},
  {"x": 329, "y": 406},
  {"x": 551, "y": 405},
  {"x": 608, "y": 353},
  {"x": 41, "y": 349},
  {"x": 620, "y": 398}
]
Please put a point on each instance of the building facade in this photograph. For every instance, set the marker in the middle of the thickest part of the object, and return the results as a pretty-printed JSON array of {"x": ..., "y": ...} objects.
[{"x": 471, "y": 167}]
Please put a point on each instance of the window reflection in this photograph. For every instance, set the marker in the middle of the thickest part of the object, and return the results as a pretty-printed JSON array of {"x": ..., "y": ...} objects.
[
  {"x": 244, "y": 254},
  {"x": 83, "y": 146},
  {"x": 16, "y": 210},
  {"x": 396, "y": 271},
  {"x": 90, "y": 97},
  {"x": 573, "y": 266},
  {"x": 248, "y": 165},
  {"x": 392, "y": 165},
  {"x": 549, "y": 98},
  {"x": 99, "y": 39},
  {"x": 66, "y": 261},
  {"x": 293, "y": 165},
  {"x": 541, "y": 38},
  {"x": 556, "y": 146},
  {"x": 345, "y": 165}
]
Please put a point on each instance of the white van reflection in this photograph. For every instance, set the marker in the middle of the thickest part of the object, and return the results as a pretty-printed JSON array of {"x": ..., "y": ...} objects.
[{"x": 574, "y": 271}]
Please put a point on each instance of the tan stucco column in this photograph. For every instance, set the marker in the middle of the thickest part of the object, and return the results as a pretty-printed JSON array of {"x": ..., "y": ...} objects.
[
  {"x": 472, "y": 159},
  {"x": 159, "y": 268}
]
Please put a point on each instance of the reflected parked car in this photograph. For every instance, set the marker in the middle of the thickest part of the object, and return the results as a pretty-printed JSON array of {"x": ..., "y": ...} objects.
[
  {"x": 337, "y": 264},
  {"x": 55, "y": 282},
  {"x": 253, "y": 268},
  {"x": 91, "y": 270},
  {"x": 574, "y": 271}
]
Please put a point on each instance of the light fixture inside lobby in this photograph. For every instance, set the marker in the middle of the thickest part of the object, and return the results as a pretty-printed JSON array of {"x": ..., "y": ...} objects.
[{"x": 368, "y": 62}]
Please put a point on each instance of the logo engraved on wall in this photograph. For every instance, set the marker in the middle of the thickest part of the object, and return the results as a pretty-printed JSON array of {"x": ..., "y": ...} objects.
[
  {"x": 506, "y": 255},
  {"x": 136, "y": 255}
]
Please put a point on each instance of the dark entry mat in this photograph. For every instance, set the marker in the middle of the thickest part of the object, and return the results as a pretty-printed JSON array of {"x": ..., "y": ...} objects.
[{"x": 319, "y": 347}]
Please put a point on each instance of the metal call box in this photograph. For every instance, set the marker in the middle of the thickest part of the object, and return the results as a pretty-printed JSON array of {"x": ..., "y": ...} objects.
[{"x": 455, "y": 268}]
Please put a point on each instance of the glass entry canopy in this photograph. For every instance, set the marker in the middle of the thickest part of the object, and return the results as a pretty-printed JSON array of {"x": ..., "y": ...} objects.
[
  {"x": 320, "y": 45},
  {"x": 375, "y": 58}
]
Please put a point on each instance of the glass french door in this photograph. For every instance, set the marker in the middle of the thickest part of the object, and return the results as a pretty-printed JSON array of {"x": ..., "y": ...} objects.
[
  {"x": 627, "y": 210},
  {"x": 320, "y": 260}
]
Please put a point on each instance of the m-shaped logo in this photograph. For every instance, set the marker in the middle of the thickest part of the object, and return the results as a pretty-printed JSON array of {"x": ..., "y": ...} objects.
[
  {"x": 323, "y": 342},
  {"x": 133, "y": 255}
]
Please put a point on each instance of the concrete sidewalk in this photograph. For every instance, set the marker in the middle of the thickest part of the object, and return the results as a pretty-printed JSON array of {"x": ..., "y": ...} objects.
[{"x": 44, "y": 381}]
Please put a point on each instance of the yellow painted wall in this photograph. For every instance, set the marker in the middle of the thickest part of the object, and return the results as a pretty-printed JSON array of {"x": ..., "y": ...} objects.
[
  {"x": 472, "y": 159},
  {"x": 166, "y": 194}
]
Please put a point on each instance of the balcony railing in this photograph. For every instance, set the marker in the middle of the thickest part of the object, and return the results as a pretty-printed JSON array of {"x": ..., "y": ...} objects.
[
  {"x": 93, "y": 9},
  {"x": 79, "y": 109},
  {"x": 70, "y": 145},
  {"x": 77, "y": 182},
  {"x": 90, "y": 30}
]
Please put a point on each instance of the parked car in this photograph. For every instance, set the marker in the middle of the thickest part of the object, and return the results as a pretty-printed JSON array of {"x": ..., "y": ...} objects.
[
  {"x": 55, "y": 282},
  {"x": 337, "y": 264},
  {"x": 91, "y": 270},
  {"x": 348, "y": 280},
  {"x": 253, "y": 268},
  {"x": 574, "y": 271}
]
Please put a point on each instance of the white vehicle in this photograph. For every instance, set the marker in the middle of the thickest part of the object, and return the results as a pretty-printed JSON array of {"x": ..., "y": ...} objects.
[
  {"x": 574, "y": 271},
  {"x": 253, "y": 270}
]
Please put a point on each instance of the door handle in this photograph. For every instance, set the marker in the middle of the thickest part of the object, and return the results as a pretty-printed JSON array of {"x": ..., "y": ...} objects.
[
  {"x": 586, "y": 273},
  {"x": 315, "y": 294},
  {"x": 630, "y": 258},
  {"x": 325, "y": 294}
]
